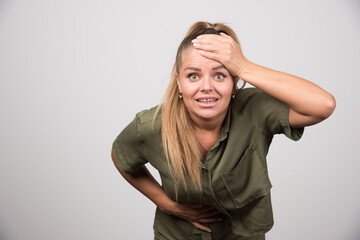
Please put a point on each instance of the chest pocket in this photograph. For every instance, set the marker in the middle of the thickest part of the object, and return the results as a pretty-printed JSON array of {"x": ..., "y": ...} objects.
[{"x": 248, "y": 181}]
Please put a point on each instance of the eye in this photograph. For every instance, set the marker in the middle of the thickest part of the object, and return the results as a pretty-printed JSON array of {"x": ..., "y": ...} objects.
[
  {"x": 219, "y": 76},
  {"x": 193, "y": 76}
]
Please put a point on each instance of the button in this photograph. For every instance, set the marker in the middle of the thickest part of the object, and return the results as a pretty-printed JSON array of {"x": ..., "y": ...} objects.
[{"x": 253, "y": 147}]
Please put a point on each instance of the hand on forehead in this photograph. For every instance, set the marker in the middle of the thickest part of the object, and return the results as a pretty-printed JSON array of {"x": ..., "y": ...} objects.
[{"x": 221, "y": 48}]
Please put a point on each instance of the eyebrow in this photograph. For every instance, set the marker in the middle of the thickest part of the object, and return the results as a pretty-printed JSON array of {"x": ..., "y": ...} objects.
[
  {"x": 218, "y": 67},
  {"x": 199, "y": 70},
  {"x": 192, "y": 68}
]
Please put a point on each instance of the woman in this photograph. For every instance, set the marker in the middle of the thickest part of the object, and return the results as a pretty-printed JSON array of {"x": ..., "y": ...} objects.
[{"x": 209, "y": 140}]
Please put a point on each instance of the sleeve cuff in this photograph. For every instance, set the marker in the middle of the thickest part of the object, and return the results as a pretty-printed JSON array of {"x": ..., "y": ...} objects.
[{"x": 292, "y": 133}]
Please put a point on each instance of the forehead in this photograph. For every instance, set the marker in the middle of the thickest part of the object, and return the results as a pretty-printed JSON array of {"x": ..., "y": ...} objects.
[{"x": 192, "y": 58}]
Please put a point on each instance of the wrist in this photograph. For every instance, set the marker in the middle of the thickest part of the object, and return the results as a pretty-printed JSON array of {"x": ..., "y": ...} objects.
[
  {"x": 166, "y": 205},
  {"x": 243, "y": 68}
]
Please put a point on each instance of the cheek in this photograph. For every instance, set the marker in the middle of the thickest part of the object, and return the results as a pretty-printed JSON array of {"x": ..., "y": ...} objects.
[
  {"x": 188, "y": 102},
  {"x": 188, "y": 90},
  {"x": 227, "y": 90},
  {"x": 188, "y": 94}
]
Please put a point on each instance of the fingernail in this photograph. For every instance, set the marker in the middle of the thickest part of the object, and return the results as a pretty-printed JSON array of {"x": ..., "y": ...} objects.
[
  {"x": 196, "y": 44},
  {"x": 209, "y": 230},
  {"x": 194, "y": 40},
  {"x": 199, "y": 36}
]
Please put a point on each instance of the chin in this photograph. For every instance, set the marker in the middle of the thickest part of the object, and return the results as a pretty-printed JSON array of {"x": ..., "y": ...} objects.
[{"x": 208, "y": 116}]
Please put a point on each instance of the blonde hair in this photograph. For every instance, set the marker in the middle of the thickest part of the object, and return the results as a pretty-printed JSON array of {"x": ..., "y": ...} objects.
[{"x": 178, "y": 137}]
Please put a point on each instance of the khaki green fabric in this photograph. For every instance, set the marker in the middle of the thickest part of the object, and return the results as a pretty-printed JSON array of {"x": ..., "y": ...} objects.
[{"x": 234, "y": 176}]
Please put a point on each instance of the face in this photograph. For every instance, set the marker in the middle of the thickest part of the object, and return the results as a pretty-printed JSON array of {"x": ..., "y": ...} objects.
[{"x": 206, "y": 86}]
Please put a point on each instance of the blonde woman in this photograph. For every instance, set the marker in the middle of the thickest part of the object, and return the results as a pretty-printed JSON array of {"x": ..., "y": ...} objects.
[{"x": 209, "y": 140}]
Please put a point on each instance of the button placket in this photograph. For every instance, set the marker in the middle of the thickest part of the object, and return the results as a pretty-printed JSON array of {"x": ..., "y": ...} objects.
[{"x": 207, "y": 187}]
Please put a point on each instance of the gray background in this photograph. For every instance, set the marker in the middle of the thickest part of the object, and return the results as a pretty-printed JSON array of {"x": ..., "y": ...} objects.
[{"x": 74, "y": 73}]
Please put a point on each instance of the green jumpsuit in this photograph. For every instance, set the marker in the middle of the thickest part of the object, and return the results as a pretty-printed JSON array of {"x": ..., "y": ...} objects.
[{"x": 234, "y": 174}]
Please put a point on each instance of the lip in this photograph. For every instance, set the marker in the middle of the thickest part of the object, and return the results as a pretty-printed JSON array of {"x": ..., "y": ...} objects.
[{"x": 202, "y": 103}]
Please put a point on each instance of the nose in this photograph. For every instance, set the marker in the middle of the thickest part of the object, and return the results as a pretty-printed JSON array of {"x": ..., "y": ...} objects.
[{"x": 206, "y": 84}]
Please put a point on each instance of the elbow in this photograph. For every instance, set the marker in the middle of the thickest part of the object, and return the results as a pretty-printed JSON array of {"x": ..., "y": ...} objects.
[{"x": 329, "y": 106}]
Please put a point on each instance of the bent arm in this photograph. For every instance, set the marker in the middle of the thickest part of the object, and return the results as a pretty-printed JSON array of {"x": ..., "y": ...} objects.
[
  {"x": 144, "y": 182},
  {"x": 309, "y": 104}
]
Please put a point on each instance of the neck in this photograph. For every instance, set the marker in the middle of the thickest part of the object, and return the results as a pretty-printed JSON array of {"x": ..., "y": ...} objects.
[
  {"x": 207, "y": 132},
  {"x": 205, "y": 125}
]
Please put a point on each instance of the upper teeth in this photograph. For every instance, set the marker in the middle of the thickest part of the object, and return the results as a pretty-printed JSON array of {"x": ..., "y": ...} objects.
[{"x": 206, "y": 100}]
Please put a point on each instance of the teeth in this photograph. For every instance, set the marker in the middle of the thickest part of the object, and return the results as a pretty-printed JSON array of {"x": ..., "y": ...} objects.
[{"x": 207, "y": 100}]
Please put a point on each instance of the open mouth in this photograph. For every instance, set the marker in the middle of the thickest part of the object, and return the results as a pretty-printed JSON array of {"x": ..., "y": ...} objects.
[{"x": 207, "y": 100}]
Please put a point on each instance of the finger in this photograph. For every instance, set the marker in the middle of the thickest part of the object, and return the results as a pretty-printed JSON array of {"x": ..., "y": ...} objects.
[
  {"x": 209, "y": 47},
  {"x": 204, "y": 212},
  {"x": 210, "y": 220},
  {"x": 210, "y": 55},
  {"x": 209, "y": 214},
  {"x": 225, "y": 35},
  {"x": 200, "y": 208},
  {"x": 207, "y": 209},
  {"x": 196, "y": 206},
  {"x": 201, "y": 227},
  {"x": 211, "y": 37},
  {"x": 222, "y": 48},
  {"x": 197, "y": 215},
  {"x": 200, "y": 211},
  {"x": 223, "y": 40},
  {"x": 212, "y": 40}
]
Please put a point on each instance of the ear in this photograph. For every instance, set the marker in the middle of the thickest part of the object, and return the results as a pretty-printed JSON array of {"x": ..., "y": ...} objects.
[
  {"x": 178, "y": 82},
  {"x": 235, "y": 87}
]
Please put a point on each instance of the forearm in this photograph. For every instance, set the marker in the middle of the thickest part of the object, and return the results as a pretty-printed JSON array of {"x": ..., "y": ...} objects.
[
  {"x": 299, "y": 94},
  {"x": 145, "y": 183}
]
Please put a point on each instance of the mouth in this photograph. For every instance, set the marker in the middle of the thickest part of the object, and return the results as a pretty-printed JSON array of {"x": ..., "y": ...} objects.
[{"x": 207, "y": 101}]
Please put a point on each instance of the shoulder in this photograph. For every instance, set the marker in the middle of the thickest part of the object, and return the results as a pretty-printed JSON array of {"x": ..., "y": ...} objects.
[
  {"x": 249, "y": 99},
  {"x": 147, "y": 115},
  {"x": 149, "y": 118},
  {"x": 141, "y": 128},
  {"x": 148, "y": 123}
]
